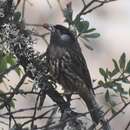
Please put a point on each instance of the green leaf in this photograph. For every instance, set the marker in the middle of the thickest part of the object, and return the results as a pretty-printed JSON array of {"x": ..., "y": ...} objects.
[
  {"x": 116, "y": 69},
  {"x": 129, "y": 92},
  {"x": 120, "y": 88},
  {"x": 103, "y": 73},
  {"x": 113, "y": 111},
  {"x": 91, "y": 30},
  {"x": 82, "y": 26},
  {"x": 17, "y": 16},
  {"x": 107, "y": 96},
  {"x": 122, "y": 61},
  {"x": 10, "y": 59},
  {"x": 127, "y": 70},
  {"x": 77, "y": 20},
  {"x": 93, "y": 35},
  {"x": 108, "y": 99},
  {"x": 2, "y": 105},
  {"x": 108, "y": 73},
  {"x": 2, "y": 94},
  {"x": 68, "y": 13},
  {"x": 3, "y": 64},
  {"x": 12, "y": 104},
  {"x": 18, "y": 71}
]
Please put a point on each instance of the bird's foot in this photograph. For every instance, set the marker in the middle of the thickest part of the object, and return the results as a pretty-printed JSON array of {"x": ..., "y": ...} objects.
[
  {"x": 68, "y": 114},
  {"x": 70, "y": 121}
]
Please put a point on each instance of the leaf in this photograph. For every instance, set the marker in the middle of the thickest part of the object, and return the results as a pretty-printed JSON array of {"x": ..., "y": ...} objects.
[
  {"x": 77, "y": 20},
  {"x": 116, "y": 69},
  {"x": 113, "y": 111},
  {"x": 3, "y": 64},
  {"x": 129, "y": 92},
  {"x": 91, "y": 30},
  {"x": 108, "y": 99},
  {"x": 2, "y": 94},
  {"x": 107, "y": 96},
  {"x": 2, "y": 106},
  {"x": 103, "y": 73},
  {"x": 10, "y": 59},
  {"x": 93, "y": 35},
  {"x": 108, "y": 72},
  {"x": 120, "y": 88},
  {"x": 12, "y": 104},
  {"x": 82, "y": 26},
  {"x": 127, "y": 70},
  {"x": 122, "y": 61},
  {"x": 68, "y": 13},
  {"x": 18, "y": 71},
  {"x": 17, "y": 16}
]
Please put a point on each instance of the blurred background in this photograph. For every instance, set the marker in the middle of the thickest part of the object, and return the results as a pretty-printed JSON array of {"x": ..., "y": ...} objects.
[{"x": 112, "y": 21}]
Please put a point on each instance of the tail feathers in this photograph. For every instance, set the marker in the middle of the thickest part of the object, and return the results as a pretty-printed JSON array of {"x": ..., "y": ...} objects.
[{"x": 94, "y": 109}]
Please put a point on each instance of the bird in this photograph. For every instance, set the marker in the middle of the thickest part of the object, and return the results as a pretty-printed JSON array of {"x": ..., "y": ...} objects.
[{"x": 68, "y": 67}]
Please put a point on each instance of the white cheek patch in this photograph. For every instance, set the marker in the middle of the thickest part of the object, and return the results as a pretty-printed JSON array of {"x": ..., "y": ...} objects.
[{"x": 65, "y": 37}]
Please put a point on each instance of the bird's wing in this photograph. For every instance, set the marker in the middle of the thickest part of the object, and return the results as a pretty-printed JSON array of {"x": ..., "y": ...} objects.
[{"x": 78, "y": 66}]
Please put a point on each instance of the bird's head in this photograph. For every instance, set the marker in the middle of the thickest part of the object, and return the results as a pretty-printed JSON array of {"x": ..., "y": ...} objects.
[{"x": 60, "y": 35}]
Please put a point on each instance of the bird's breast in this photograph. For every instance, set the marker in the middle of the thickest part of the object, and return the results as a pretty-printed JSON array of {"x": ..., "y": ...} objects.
[{"x": 55, "y": 58}]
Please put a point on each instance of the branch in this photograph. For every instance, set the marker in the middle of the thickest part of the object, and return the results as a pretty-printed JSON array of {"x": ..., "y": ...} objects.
[
  {"x": 85, "y": 9},
  {"x": 128, "y": 125},
  {"x": 117, "y": 113}
]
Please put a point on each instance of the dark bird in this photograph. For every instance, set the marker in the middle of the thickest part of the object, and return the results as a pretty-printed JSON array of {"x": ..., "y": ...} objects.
[{"x": 68, "y": 67}]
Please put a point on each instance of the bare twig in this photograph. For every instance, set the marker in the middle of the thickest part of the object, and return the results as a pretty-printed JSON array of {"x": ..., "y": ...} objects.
[
  {"x": 23, "y": 9},
  {"x": 38, "y": 117},
  {"x": 35, "y": 110},
  {"x": 49, "y": 3},
  {"x": 85, "y": 9},
  {"x": 117, "y": 113},
  {"x": 83, "y": 1},
  {"x": 128, "y": 125}
]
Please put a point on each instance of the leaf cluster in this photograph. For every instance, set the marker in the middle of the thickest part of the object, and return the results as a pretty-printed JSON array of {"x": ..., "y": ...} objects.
[{"x": 116, "y": 79}]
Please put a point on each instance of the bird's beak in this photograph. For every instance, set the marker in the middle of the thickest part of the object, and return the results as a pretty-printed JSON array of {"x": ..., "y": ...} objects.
[{"x": 49, "y": 27}]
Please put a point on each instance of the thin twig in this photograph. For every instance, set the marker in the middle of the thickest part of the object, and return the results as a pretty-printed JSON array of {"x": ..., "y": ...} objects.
[
  {"x": 83, "y": 1},
  {"x": 128, "y": 125},
  {"x": 35, "y": 110},
  {"x": 38, "y": 117},
  {"x": 117, "y": 113},
  {"x": 23, "y": 9}
]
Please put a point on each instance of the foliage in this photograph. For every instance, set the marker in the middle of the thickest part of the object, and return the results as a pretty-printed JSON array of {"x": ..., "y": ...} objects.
[{"x": 13, "y": 30}]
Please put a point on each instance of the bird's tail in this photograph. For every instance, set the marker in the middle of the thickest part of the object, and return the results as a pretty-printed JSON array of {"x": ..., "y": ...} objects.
[
  {"x": 96, "y": 113},
  {"x": 89, "y": 98}
]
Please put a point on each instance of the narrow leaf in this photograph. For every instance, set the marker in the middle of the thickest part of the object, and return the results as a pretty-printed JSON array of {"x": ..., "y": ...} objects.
[
  {"x": 107, "y": 96},
  {"x": 127, "y": 70},
  {"x": 102, "y": 72},
  {"x": 91, "y": 30},
  {"x": 122, "y": 61},
  {"x": 93, "y": 35}
]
